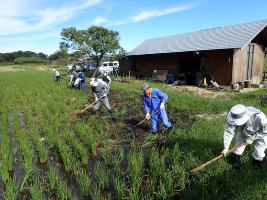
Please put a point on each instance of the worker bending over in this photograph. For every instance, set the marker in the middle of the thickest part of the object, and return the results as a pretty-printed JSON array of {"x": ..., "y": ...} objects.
[
  {"x": 57, "y": 75},
  {"x": 100, "y": 92},
  {"x": 250, "y": 124}
]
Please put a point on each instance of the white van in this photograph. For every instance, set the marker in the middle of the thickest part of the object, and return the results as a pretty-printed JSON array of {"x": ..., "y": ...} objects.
[{"x": 109, "y": 66}]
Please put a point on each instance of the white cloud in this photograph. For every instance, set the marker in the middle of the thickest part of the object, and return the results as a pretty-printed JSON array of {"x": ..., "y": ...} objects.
[
  {"x": 99, "y": 20},
  {"x": 18, "y": 17},
  {"x": 156, "y": 13}
]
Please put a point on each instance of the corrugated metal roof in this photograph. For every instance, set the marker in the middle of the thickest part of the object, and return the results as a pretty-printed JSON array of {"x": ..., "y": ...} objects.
[{"x": 230, "y": 37}]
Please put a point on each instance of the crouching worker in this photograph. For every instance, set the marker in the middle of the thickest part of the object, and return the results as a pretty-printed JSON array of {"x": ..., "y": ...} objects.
[
  {"x": 100, "y": 92},
  {"x": 250, "y": 124},
  {"x": 57, "y": 75},
  {"x": 154, "y": 105}
]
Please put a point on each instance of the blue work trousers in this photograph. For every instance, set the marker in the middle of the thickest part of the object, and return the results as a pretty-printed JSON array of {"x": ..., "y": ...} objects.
[{"x": 155, "y": 119}]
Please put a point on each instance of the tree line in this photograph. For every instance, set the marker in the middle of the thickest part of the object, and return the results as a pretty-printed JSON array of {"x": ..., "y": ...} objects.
[
  {"x": 95, "y": 43},
  {"x": 20, "y": 56}
]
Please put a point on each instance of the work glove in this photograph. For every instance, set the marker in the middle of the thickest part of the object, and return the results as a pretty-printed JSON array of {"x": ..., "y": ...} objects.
[
  {"x": 249, "y": 140},
  {"x": 162, "y": 106},
  {"x": 104, "y": 95},
  {"x": 96, "y": 98},
  {"x": 224, "y": 152},
  {"x": 148, "y": 116}
]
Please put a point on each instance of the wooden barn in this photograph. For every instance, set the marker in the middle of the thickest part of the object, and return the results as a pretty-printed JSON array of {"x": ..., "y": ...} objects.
[{"x": 228, "y": 54}]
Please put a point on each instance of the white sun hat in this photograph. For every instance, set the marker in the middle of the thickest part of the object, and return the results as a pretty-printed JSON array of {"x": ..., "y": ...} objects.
[
  {"x": 238, "y": 115},
  {"x": 93, "y": 82}
]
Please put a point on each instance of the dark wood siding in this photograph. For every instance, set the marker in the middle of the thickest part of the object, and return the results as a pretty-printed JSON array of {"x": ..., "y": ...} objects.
[
  {"x": 219, "y": 64},
  {"x": 145, "y": 64}
]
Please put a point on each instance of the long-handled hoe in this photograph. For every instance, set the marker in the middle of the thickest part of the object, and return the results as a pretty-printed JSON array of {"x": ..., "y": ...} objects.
[
  {"x": 144, "y": 120},
  {"x": 79, "y": 112},
  {"x": 200, "y": 167}
]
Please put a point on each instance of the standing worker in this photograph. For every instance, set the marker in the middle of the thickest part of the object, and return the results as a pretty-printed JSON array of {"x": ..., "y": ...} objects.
[
  {"x": 154, "y": 105},
  {"x": 100, "y": 90},
  {"x": 81, "y": 78},
  {"x": 250, "y": 124},
  {"x": 57, "y": 75},
  {"x": 105, "y": 77}
]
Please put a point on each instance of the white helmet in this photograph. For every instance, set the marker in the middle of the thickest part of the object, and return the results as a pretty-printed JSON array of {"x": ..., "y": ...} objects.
[
  {"x": 238, "y": 115},
  {"x": 54, "y": 70},
  {"x": 105, "y": 73},
  {"x": 93, "y": 82}
]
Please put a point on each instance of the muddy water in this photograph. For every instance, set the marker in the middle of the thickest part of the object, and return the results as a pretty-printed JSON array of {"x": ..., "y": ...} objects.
[{"x": 17, "y": 169}]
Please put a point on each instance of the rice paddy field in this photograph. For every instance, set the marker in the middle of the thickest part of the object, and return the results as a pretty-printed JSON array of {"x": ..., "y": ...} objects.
[{"x": 46, "y": 152}]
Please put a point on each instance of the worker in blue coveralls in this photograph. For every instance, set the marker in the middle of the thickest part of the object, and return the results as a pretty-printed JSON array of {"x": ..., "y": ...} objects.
[
  {"x": 82, "y": 81},
  {"x": 154, "y": 105}
]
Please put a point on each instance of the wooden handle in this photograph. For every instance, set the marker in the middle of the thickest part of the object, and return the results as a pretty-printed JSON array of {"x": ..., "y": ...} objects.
[
  {"x": 146, "y": 119},
  {"x": 82, "y": 111},
  {"x": 200, "y": 167}
]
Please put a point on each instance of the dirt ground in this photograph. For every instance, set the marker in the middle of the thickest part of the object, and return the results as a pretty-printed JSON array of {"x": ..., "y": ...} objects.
[
  {"x": 222, "y": 94},
  {"x": 209, "y": 116},
  {"x": 10, "y": 69}
]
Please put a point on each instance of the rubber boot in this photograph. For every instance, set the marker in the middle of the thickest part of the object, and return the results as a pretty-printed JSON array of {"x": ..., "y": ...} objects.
[
  {"x": 235, "y": 161},
  {"x": 256, "y": 163}
]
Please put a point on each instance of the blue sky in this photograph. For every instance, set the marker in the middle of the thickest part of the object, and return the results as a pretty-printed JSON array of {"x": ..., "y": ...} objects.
[{"x": 36, "y": 25}]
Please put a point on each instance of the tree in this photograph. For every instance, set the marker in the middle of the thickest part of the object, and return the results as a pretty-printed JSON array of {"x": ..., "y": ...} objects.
[{"x": 95, "y": 42}]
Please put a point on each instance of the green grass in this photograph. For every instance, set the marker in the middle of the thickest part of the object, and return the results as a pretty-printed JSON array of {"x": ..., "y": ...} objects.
[{"x": 77, "y": 160}]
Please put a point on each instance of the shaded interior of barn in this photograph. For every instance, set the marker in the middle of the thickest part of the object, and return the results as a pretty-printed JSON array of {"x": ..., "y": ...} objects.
[{"x": 225, "y": 66}]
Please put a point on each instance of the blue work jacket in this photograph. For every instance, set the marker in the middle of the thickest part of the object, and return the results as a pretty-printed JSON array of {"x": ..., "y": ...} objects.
[
  {"x": 82, "y": 76},
  {"x": 152, "y": 104}
]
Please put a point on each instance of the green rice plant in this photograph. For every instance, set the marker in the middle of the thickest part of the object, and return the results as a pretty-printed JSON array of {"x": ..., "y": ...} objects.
[
  {"x": 36, "y": 190},
  {"x": 5, "y": 151},
  {"x": 39, "y": 146},
  {"x": 102, "y": 175},
  {"x": 16, "y": 121},
  {"x": 135, "y": 167},
  {"x": 84, "y": 181},
  {"x": 180, "y": 177},
  {"x": 96, "y": 193},
  {"x": 11, "y": 191},
  {"x": 116, "y": 162},
  {"x": 120, "y": 188},
  {"x": 6, "y": 160},
  {"x": 26, "y": 151},
  {"x": 105, "y": 152},
  {"x": 52, "y": 177},
  {"x": 176, "y": 154},
  {"x": 156, "y": 165},
  {"x": 77, "y": 146},
  {"x": 167, "y": 189},
  {"x": 65, "y": 154},
  {"x": 62, "y": 190}
]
